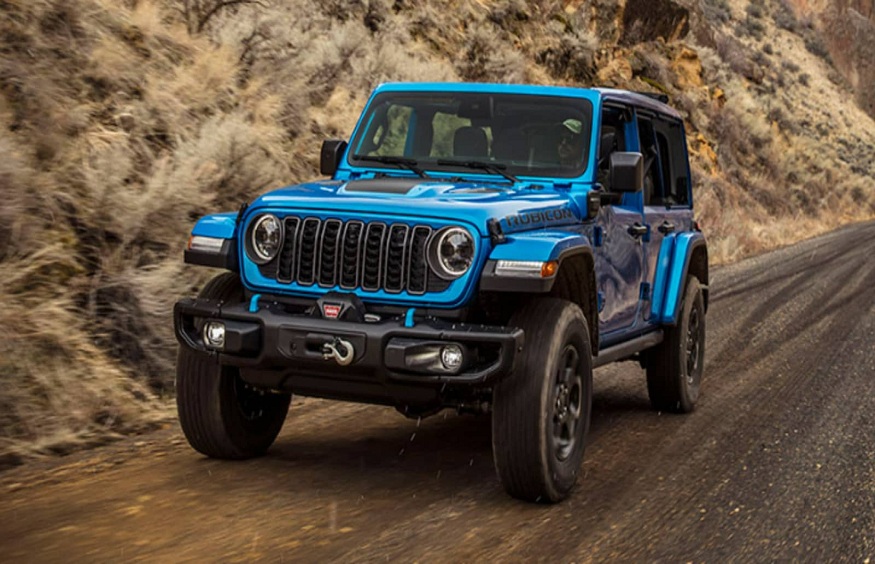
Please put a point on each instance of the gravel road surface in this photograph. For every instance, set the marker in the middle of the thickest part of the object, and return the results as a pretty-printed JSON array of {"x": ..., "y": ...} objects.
[{"x": 777, "y": 462}]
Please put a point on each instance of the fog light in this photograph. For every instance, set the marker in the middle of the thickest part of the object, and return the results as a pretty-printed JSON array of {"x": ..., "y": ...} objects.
[
  {"x": 452, "y": 357},
  {"x": 214, "y": 334}
]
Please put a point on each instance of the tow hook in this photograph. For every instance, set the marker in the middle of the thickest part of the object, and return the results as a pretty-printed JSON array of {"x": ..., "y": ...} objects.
[{"x": 341, "y": 351}]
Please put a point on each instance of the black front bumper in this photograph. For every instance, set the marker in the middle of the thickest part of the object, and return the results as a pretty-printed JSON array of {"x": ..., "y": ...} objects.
[{"x": 272, "y": 341}]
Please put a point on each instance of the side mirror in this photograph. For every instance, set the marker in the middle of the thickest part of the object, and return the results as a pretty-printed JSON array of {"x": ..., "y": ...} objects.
[
  {"x": 627, "y": 172},
  {"x": 329, "y": 157}
]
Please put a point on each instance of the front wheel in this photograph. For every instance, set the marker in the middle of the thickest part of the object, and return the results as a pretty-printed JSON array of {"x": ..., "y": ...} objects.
[
  {"x": 541, "y": 412},
  {"x": 221, "y": 415},
  {"x": 675, "y": 366}
]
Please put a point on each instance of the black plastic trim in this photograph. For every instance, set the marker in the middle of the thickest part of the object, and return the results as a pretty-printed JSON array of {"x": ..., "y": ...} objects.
[
  {"x": 226, "y": 258},
  {"x": 491, "y": 282},
  {"x": 628, "y": 348}
]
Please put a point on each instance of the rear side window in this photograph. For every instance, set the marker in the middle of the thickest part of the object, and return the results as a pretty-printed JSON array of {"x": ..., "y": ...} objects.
[{"x": 666, "y": 175}]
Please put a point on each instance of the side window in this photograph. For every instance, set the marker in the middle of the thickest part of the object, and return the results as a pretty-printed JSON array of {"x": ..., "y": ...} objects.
[
  {"x": 665, "y": 168},
  {"x": 680, "y": 186},
  {"x": 673, "y": 171}
]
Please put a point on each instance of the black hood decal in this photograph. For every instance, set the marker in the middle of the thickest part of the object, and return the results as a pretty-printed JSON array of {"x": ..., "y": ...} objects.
[{"x": 383, "y": 185}]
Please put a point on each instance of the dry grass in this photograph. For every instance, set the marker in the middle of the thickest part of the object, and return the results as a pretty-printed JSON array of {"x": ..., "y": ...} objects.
[{"x": 122, "y": 122}]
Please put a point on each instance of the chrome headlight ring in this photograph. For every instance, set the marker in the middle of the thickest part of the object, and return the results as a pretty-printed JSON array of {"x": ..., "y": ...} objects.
[
  {"x": 265, "y": 238},
  {"x": 451, "y": 252}
]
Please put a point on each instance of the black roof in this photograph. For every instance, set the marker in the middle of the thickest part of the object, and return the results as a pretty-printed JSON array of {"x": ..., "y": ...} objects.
[{"x": 641, "y": 100}]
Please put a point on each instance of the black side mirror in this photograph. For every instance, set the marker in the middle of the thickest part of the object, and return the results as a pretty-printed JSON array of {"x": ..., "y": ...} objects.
[
  {"x": 329, "y": 157},
  {"x": 627, "y": 172}
]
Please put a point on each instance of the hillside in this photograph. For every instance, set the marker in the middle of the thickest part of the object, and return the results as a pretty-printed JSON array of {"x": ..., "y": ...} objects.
[{"x": 124, "y": 121}]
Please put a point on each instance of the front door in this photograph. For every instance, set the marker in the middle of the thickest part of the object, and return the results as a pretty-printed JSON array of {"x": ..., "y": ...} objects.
[{"x": 620, "y": 256}]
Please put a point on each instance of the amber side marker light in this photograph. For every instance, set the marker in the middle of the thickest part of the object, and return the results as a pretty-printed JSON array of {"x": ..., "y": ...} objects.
[{"x": 526, "y": 268}]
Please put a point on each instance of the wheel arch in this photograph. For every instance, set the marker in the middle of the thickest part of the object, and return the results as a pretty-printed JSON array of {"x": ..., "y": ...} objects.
[
  {"x": 698, "y": 266},
  {"x": 575, "y": 281}
]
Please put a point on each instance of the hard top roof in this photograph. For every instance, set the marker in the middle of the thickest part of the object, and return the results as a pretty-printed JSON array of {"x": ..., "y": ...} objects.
[{"x": 638, "y": 99}]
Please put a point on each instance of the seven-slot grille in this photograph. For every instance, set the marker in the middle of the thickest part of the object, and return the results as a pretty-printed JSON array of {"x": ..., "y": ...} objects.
[{"x": 353, "y": 254}]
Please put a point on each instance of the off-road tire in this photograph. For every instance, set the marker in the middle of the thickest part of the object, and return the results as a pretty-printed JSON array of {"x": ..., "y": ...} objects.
[
  {"x": 221, "y": 415},
  {"x": 674, "y": 367},
  {"x": 532, "y": 464}
]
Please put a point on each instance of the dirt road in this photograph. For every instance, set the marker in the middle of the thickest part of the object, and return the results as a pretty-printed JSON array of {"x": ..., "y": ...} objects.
[{"x": 778, "y": 461}]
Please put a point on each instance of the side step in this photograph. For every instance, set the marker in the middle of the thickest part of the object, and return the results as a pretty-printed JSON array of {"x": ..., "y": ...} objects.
[{"x": 627, "y": 349}]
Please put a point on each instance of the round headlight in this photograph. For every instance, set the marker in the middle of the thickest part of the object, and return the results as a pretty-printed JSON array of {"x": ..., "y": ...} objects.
[
  {"x": 451, "y": 252},
  {"x": 266, "y": 239}
]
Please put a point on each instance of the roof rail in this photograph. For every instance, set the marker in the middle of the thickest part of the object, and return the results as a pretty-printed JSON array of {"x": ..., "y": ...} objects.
[{"x": 659, "y": 97}]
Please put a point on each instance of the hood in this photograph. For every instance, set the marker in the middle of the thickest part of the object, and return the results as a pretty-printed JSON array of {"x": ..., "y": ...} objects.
[{"x": 519, "y": 206}]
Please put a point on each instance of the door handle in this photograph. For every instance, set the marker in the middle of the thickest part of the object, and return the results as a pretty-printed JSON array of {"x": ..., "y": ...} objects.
[
  {"x": 638, "y": 230},
  {"x": 666, "y": 227}
]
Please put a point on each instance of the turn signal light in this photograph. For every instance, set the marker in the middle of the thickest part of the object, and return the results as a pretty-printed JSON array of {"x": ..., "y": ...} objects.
[{"x": 549, "y": 269}]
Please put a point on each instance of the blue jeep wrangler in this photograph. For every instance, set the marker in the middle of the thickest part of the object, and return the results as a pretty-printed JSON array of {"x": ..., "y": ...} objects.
[{"x": 479, "y": 247}]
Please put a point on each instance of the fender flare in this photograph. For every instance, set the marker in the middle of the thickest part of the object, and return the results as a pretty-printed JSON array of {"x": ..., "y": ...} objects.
[
  {"x": 216, "y": 226},
  {"x": 672, "y": 269},
  {"x": 533, "y": 247}
]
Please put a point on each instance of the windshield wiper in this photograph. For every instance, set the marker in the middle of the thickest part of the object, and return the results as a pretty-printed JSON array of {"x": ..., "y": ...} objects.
[
  {"x": 403, "y": 162},
  {"x": 494, "y": 168}
]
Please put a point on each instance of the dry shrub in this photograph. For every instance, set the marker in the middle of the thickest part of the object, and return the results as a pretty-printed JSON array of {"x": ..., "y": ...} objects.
[
  {"x": 14, "y": 173},
  {"x": 568, "y": 51},
  {"x": 486, "y": 58}
]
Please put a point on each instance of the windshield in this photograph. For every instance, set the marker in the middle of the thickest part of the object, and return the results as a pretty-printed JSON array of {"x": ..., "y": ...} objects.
[{"x": 475, "y": 132}]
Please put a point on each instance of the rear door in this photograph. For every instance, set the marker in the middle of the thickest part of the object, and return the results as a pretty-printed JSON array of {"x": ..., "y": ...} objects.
[{"x": 667, "y": 196}]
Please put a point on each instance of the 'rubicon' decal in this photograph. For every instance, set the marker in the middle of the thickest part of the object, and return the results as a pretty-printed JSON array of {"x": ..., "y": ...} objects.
[{"x": 538, "y": 218}]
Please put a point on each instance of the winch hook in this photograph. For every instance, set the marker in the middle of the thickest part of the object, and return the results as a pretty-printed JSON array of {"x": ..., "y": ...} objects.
[{"x": 340, "y": 350}]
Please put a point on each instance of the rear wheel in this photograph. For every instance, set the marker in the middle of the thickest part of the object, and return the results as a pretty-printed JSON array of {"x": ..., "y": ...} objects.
[
  {"x": 541, "y": 412},
  {"x": 674, "y": 367},
  {"x": 221, "y": 415}
]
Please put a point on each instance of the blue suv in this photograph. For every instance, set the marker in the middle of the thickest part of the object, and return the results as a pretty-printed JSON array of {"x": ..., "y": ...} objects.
[{"x": 479, "y": 247}]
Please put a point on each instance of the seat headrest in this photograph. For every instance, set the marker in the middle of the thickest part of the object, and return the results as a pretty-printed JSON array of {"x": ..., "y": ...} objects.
[{"x": 470, "y": 142}]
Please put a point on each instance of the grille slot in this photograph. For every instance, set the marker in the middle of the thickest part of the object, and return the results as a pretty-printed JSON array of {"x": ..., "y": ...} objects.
[
  {"x": 353, "y": 254},
  {"x": 373, "y": 256},
  {"x": 417, "y": 280},
  {"x": 285, "y": 267},
  {"x": 307, "y": 253},
  {"x": 396, "y": 253},
  {"x": 329, "y": 247}
]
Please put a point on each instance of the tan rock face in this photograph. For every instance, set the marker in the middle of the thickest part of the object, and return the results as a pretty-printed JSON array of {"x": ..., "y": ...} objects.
[
  {"x": 617, "y": 71},
  {"x": 688, "y": 68},
  {"x": 701, "y": 148}
]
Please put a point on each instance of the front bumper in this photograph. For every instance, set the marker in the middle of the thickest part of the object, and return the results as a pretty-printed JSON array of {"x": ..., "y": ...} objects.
[{"x": 389, "y": 351}]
